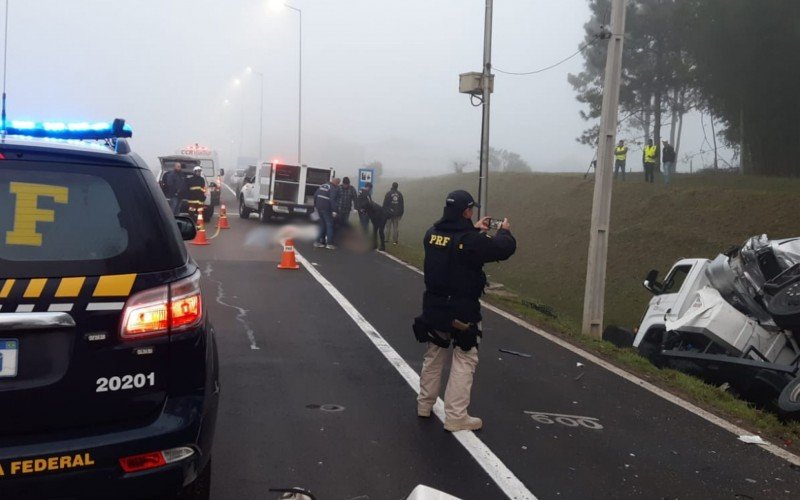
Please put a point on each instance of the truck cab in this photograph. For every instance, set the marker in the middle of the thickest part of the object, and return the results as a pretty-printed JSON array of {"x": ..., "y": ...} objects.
[
  {"x": 280, "y": 190},
  {"x": 671, "y": 299}
]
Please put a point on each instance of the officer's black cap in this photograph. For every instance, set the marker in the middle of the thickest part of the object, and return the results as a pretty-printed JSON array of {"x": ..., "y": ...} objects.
[{"x": 460, "y": 200}]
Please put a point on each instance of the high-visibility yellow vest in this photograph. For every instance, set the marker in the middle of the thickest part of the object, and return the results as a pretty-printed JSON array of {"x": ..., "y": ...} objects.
[
  {"x": 650, "y": 153},
  {"x": 620, "y": 153}
]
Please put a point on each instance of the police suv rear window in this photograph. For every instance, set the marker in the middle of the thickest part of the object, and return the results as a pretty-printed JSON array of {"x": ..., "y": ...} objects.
[{"x": 66, "y": 219}]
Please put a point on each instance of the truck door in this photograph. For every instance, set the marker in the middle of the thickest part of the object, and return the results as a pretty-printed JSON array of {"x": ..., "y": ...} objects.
[
  {"x": 265, "y": 181},
  {"x": 249, "y": 191},
  {"x": 287, "y": 183},
  {"x": 315, "y": 177}
]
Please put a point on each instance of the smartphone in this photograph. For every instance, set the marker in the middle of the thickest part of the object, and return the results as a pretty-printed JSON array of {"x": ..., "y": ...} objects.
[{"x": 495, "y": 223}]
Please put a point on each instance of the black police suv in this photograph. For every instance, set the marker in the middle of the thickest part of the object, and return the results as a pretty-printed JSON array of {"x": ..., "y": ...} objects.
[{"x": 108, "y": 364}]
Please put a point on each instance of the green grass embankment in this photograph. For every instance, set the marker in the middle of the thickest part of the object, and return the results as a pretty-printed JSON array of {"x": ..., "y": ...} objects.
[{"x": 652, "y": 225}]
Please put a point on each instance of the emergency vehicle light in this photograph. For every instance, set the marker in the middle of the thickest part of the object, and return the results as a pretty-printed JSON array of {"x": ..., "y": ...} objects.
[{"x": 66, "y": 130}]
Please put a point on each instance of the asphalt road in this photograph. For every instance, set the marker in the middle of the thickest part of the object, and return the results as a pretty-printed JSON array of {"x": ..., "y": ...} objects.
[{"x": 288, "y": 349}]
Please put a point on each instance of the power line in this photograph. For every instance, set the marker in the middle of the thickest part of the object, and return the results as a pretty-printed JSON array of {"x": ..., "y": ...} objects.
[{"x": 559, "y": 63}]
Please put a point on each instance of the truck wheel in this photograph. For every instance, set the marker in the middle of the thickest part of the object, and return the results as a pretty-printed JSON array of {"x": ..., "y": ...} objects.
[
  {"x": 264, "y": 213},
  {"x": 619, "y": 336},
  {"x": 244, "y": 212},
  {"x": 650, "y": 347},
  {"x": 208, "y": 212},
  {"x": 789, "y": 400}
]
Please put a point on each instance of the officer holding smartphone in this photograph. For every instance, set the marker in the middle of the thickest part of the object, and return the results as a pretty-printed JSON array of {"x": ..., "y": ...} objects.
[{"x": 455, "y": 251}]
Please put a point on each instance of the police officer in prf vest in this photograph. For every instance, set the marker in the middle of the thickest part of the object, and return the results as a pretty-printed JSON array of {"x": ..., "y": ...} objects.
[{"x": 455, "y": 252}]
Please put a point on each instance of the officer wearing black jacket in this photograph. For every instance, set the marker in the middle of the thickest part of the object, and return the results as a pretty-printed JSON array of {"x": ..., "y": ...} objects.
[{"x": 455, "y": 252}]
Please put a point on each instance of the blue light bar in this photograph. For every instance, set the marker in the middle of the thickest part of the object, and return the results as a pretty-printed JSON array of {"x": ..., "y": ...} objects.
[{"x": 64, "y": 130}]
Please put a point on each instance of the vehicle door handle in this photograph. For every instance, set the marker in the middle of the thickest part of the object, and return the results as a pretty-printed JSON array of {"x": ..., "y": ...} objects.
[{"x": 10, "y": 322}]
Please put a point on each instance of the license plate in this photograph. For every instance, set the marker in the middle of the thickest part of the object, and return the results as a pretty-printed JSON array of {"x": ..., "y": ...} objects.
[
  {"x": 300, "y": 210},
  {"x": 280, "y": 210},
  {"x": 9, "y": 348}
]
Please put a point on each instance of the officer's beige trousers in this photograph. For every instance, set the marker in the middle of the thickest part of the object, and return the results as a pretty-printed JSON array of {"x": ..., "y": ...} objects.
[{"x": 459, "y": 385}]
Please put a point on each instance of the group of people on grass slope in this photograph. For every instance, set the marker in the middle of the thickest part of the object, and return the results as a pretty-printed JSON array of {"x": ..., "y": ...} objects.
[{"x": 650, "y": 154}]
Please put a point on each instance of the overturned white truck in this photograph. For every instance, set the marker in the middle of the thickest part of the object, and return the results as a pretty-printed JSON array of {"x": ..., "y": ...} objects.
[{"x": 734, "y": 319}]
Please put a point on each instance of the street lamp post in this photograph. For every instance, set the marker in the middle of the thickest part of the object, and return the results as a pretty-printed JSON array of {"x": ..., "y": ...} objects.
[
  {"x": 299, "y": 85},
  {"x": 260, "y": 114},
  {"x": 5, "y": 68},
  {"x": 237, "y": 83},
  {"x": 276, "y": 5}
]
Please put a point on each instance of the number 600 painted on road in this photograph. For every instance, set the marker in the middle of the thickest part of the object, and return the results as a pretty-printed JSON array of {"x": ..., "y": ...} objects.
[{"x": 567, "y": 420}]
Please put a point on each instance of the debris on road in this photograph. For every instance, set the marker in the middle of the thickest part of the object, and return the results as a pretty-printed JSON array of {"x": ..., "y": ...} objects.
[
  {"x": 752, "y": 440},
  {"x": 515, "y": 353}
]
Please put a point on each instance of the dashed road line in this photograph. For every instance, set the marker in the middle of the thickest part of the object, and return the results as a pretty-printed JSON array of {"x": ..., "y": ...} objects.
[
  {"x": 497, "y": 470},
  {"x": 230, "y": 189},
  {"x": 686, "y": 405}
]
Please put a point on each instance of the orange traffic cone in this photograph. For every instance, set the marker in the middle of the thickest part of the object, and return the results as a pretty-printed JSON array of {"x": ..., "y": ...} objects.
[
  {"x": 288, "y": 260},
  {"x": 200, "y": 239},
  {"x": 222, "y": 220}
]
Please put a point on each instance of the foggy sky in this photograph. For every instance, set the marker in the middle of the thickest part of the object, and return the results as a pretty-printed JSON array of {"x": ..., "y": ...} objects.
[{"x": 380, "y": 77}]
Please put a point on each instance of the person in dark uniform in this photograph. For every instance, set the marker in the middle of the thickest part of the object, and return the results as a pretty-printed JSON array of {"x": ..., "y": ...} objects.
[
  {"x": 197, "y": 190},
  {"x": 363, "y": 199},
  {"x": 377, "y": 216},
  {"x": 174, "y": 184},
  {"x": 455, "y": 252}
]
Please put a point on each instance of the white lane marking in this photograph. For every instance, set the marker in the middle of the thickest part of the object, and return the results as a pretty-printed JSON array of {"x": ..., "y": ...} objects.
[
  {"x": 686, "y": 405},
  {"x": 404, "y": 264},
  {"x": 105, "y": 306},
  {"x": 25, "y": 308},
  {"x": 241, "y": 315},
  {"x": 230, "y": 189},
  {"x": 60, "y": 308},
  {"x": 497, "y": 470}
]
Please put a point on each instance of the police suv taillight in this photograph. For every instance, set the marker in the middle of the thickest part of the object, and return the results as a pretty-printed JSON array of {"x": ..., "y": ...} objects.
[{"x": 163, "y": 310}]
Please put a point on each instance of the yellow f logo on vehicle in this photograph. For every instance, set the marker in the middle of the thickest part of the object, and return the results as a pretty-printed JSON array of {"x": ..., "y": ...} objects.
[{"x": 27, "y": 212}]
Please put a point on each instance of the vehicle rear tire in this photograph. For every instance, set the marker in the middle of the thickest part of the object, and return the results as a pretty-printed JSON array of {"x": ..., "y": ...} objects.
[
  {"x": 650, "y": 347},
  {"x": 208, "y": 213},
  {"x": 789, "y": 400},
  {"x": 244, "y": 212},
  {"x": 264, "y": 213},
  {"x": 200, "y": 488},
  {"x": 619, "y": 336}
]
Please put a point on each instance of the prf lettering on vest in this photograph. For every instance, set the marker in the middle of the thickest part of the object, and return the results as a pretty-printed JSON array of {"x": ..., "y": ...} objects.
[
  {"x": 27, "y": 212},
  {"x": 439, "y": 241},
  {"x": 33, "y": 465}
]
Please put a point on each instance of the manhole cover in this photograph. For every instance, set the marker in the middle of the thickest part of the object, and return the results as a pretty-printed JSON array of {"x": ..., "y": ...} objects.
[{"x": 331, "y": 408}]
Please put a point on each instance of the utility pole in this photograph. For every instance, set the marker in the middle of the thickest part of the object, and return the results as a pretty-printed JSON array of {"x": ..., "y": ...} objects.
[
  {"x": 594, "y": 298},
  {"x": 483, "y": 179}
]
